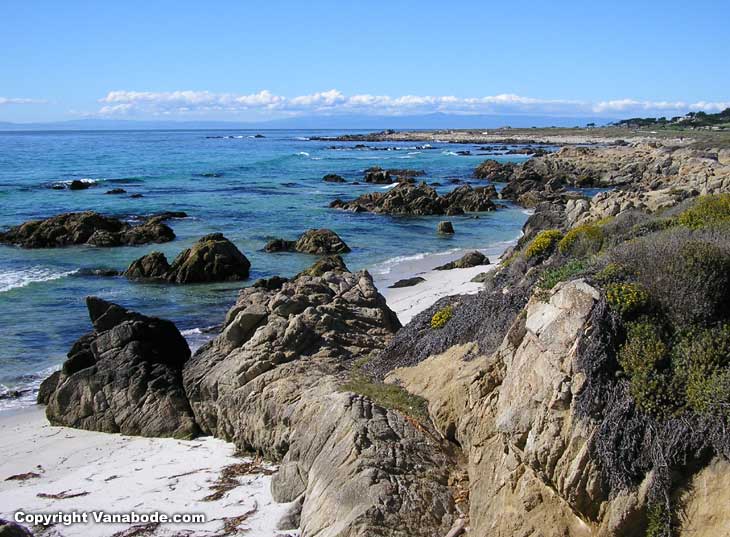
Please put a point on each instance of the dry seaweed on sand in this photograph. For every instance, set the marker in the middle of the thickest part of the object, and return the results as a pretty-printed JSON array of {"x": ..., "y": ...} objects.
[
  {"x": 229, "y": 477},
  {"x": 64, "y": 495}
]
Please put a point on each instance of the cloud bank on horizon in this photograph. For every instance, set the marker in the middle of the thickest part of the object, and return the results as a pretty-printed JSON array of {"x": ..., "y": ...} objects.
[{"x": 202, "y": 104}]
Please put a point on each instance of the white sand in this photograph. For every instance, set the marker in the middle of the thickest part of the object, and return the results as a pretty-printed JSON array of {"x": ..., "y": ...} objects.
[
  {"x": 123, "y": 474},
  {"x": 120, "y": 474}
]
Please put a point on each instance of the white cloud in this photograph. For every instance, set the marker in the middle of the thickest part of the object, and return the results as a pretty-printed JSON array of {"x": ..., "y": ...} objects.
[
  {"x": 191, "y": 103},
  {"x": 16, "y": 100}
]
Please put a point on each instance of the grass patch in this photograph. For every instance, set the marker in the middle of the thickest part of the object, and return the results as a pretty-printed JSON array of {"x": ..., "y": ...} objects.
[
  {"x": 389, "y": 396},
  {"x": 582, "y": 240},
  {"x": 553, "y": 276}
]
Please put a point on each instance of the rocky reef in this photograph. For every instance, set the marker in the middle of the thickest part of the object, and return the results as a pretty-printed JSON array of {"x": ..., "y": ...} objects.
[
  {"x": 213, "y": 258},
  {"x": 313, "y": 241},
  {"x": 87, "y": 228},
  {"x": 421, "y": 199}
]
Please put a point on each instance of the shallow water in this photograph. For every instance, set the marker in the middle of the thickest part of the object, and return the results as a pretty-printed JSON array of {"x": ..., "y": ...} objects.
[{"x": 261, "y": 188}]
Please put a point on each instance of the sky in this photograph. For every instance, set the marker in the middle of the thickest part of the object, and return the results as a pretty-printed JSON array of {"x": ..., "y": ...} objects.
[{"x": 256, "y": 60}]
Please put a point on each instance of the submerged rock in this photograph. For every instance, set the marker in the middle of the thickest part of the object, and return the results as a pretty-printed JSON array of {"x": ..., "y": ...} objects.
[
  {"x": 470, "y": 259},
  {"x": 313, "y": 241},
  {"x": 125, "y": 377},
  {"x": 87, "y": 228},
  {"x": 445, "y": 227},
  {"x": 333, "y": 178},
  {"x": 76, "y": 184},
  {"x": 213, "y": 258}
]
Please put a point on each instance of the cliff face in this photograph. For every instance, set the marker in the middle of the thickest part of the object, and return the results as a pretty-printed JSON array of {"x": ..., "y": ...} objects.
[{"x": 514, "y": 413}]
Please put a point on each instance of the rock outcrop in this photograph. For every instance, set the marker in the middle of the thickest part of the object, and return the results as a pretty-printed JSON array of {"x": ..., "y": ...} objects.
[
  {"x": 333, "y": 178},
  {"x": 213, "y": 258},
  {"x": 124, "y": 377},
  {"x": 469, "y": 259},
  {"x": 312, "y": 241},
  {"x": 421, "y": 199},
  {"x": 495, "y": 171},
  {"x": 87, "y": 228}
]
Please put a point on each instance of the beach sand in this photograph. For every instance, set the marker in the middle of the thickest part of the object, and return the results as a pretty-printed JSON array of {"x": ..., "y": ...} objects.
[{"x": 116, "y": 473}]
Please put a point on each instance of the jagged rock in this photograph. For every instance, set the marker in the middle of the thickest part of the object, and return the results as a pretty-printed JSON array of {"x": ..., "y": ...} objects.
[
  {"x": 326, "y": 264},
  {"x": 313, "y": 241},
  {"x": 153, "y": 266},
  {"x": 116, "y": 191},
  {"x": 125, "y": 377},
  {"x": 445, "y": 227},
  {"x": 88, "y": 228},
  {"x": 271, "y": 382},
  {"x": 333, "y": 178},
  {"x": 421, "y": 199},
  {"x": 378, "y": 176},
  {"x": 494, "y": 171},
  {"x": 408, "y": 282},
  {"x": 213, "y": 258},
  {"x": 469, "y": 259},
  {"x": 271, "y": 284}
]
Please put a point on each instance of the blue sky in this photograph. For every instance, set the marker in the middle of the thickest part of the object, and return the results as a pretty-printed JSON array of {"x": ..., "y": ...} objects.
[{"x": 245, "y": 60}]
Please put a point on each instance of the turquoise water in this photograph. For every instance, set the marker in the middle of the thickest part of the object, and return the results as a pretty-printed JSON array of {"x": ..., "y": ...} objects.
[{"x": 266, "y": 187}]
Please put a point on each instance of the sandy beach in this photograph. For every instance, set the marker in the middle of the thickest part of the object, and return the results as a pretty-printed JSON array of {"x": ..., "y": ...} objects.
[{"x": 75, "y": 470}]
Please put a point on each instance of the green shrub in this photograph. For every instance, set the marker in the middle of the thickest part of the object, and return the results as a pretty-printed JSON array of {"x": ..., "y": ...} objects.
[
  {"x": 582, "y": 240},
  {"x": 441, "y": 317},
  {"x": 707, "y": 211},
  {"x": 553, "y": 276},
  {"x": 645, "y": 358},
  {"x": 627, "y": 298},
  {"x": 613, "y": 273},
  {"x": 657, "y": 521},
  {"x": 543, "y": 243},
  {"x": 387, "y": 395}
]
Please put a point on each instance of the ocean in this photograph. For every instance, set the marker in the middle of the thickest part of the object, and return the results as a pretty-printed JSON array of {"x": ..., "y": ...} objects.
[{"x": 249, "y": 188}]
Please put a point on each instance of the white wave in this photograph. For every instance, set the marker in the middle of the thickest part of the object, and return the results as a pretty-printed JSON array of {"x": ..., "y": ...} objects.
[
  {"x": 304, "y": 138},
  {"x": 388, "y": 187},
  {"x": 303, "y": 154},
  {"x": 449, "y": 153},
  {"x": 28, "y": 390},
  {"x": 13, "y": 279}
]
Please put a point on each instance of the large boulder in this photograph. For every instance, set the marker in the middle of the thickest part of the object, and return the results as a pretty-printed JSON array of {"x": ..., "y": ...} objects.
[
  {"x": 87, "y": 228},
  {"x": 153, "y": 266},
  {"x": 313, "y": 241},
  {"x": 273, "y": 382},
  {"x": 495, "y": 171},
  {"x": 378, "y": 176},
  {"x": 468, "y": 260},
  {"x": 124, "y": 377},
  {"x": 213, "y": 258}
]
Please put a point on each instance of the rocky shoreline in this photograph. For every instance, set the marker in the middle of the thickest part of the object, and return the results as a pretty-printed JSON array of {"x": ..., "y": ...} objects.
[{"x": 538, "y": 405}]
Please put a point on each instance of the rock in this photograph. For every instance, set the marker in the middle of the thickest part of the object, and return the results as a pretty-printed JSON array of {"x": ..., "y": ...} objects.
[
  {"x": 213, "y": 258},
  {"x": 103, "y": 272},
  {"x": 88, "y": 228},
  {"x": 321, "y": 242},
  {"x": 76, "y": 184},
  {"x": 481, "y": 277},
  {"x": 270, "y": 284},
  {"x": 408, "y": 282},
  {"x": 470, "y": 199},
  {"x": 259, "y": 136},
  {"x": 312, "y": 241},
  {"x": 378, "y": 176},
  {"x": 11, "y": 529},
  {"x": 116, "y": 191},
  {"x": 167, "y": 215},
  {"x": 153, "y": 266},
  {"x": 136, "y": 196},
  {"x": 125, "y": 377},
  {"x": 329, "y": 263},
  {"x": 445, "y": 227},
  {"x": 494, "y": 171},
  {"x": 470, "y": 259},
  {"x": 333, "y": 178}
]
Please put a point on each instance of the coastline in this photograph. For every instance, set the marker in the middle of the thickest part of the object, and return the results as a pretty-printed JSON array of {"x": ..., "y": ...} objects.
[{"x": 95, "y": 470}]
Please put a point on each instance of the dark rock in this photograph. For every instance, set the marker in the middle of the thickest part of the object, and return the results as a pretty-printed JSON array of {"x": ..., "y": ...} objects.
[
  {"x": 407, "y": 282},
  {"x": 481, "y": 277},
  {"x": 333, "y": 178},
  {"x": 270, "y": 284},
  {"x": 153, "y": 266},
  {"x": 125, "y": 377},
  {"x": 11, "y": 529},
  {"x": 166, "y": 215},
  {"x": 470, "y": 199},
  {"x": 494, "y": 171},
  {"x": 378, "y": 176},
  {"x": 80, "y": 185},
  {"x": 313, "y": 241},
  {"x": 88, "y": 228},
  {"x": 445, "y": 227},
  {"x": 259, "y": 136},
  {"x": 136, "y": 196},
  {"x": 212, "y": 258},
  {"x": 470, "y": 259},
  {"x": 211, "y": 175},
  {"x": 116, "y": 191},
  {"x": 102, "y": 272},
  {"x": 330, "y": 263},
  {"x": 463, "y": 153}
]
